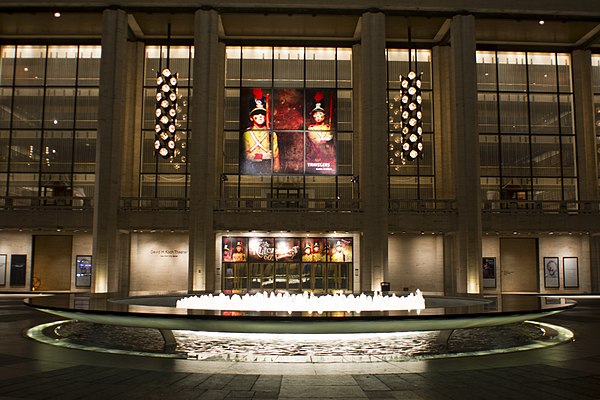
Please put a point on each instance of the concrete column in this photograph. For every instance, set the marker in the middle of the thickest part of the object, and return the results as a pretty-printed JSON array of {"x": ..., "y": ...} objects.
[
  {"x": 373, "y": 142},
  {"x": 109, "y": 143},
  {"x": 208, "y": 92},
  {"x": 585, "y": 133},
  {"x": 132, "y": 141},
  {"x": 465, "y": 153},
  {"x": 595, "y": 262},
  {"x": 442, "y": 108}
]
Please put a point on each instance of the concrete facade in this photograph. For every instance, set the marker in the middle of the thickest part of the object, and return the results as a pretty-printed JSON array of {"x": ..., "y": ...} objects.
[{"x": 432, "y": 247}]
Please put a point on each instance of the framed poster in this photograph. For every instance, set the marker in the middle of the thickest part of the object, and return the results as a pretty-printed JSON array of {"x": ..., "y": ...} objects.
[
  {"x": 287, "y": 250},
  {"x": 488, "y": 264},
  {"x": 18, "y": 264},
  {"x": 2, "y": 269},
  {"x": 339, "y": 250},
  {"x": 288, "y": 131},
  {"x": 551, "y": 272},
  {"x": 235, "y": 249},
  {"x": 261, "y": 249},
  {"x": 570, "y": 272},
  {"x": 83, "y": 271}
]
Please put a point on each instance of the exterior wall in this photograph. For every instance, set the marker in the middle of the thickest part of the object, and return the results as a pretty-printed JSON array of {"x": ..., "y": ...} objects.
[
  {"x": 21, "y": 243},
  {"x": 549, "y": 246},
  {"x": 146, "y": 263},
  {"x": 416, "y": 262},
  {"x": 16, "y": 243},
  {"x": 566, "y": 246},
  {"x": 159, "y": 263}
]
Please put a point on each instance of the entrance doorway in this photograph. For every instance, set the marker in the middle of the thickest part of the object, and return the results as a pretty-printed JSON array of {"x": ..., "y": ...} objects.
[
  {"x": 51, "y": 262},
  {"x": 293, "y": 277},
  {"x": 519, "y": 265}
]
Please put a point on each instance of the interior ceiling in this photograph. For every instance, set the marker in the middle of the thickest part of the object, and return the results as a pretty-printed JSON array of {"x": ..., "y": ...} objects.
[{"x": 427, "y": 30}]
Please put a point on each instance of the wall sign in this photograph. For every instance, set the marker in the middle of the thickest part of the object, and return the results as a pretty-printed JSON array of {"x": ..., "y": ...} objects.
[
  {"x": 83, "y": 271},
  {"x": 488, "y": 264},
  {"x": 18, "y": 263},
  {"x": 2, "y": 269}
]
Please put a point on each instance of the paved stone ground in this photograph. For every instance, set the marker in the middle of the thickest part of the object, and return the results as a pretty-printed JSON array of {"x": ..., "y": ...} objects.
[{"x": 31, "y": 370}]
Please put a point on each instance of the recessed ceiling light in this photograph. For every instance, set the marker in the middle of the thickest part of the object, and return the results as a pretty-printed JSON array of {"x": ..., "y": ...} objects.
[
  {"x": 541, "y": 22},
  {"x": 25, "y": 69},
  {"x": 57, "y": 14}
]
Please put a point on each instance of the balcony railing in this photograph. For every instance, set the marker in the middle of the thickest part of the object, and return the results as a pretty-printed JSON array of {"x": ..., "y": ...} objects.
[
  {"x": 534, "y": 207},
  {"x": 43, "y": 203},
  {"x": 154, "y": 204},
  {"x": 422, "y": 206},
  {"x": 521, "y": 207},
  {"x": 287, "y": 204}
]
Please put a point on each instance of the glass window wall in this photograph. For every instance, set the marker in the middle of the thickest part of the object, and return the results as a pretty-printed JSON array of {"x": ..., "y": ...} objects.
[
  {"x": 48, "y": 120},
  {"x": 160, "y": 177},
  {"x": 410, "y": 180},
  {"x": 288, "y": 127},
  {"x": 526, "y": 130}
]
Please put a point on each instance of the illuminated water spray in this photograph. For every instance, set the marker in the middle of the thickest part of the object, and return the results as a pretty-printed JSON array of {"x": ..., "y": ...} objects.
[{"x": 305, "y": 302}]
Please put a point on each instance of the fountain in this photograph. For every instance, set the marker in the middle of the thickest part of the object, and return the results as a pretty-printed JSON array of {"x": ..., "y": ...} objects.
[
  {"x": 305, "y": 302},
  {"x": 269, "y": 327}
]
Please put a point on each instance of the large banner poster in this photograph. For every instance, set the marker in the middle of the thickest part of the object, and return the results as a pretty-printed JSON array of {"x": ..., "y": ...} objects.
[
  {"x": 288, "y": 131},
  {"x": 286, "y": 249}
]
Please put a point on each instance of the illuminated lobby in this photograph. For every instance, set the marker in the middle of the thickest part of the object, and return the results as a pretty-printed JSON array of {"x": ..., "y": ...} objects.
[{"x": 167, "y": 150}]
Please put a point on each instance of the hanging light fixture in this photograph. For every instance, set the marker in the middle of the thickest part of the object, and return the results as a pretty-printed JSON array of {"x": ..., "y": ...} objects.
[
  {"x": 407, "y": 116},
  {"x": 166, "y": 109}
]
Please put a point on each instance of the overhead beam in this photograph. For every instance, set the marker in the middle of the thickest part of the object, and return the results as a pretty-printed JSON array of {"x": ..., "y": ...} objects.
[{"x": 589, "y": 38}]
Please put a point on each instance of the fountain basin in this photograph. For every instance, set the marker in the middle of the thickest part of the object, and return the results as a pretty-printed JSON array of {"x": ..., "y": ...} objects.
[{"x": 441, "y": 313}]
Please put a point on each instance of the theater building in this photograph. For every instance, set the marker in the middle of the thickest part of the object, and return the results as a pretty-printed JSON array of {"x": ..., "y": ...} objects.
[{"x": 152, "y": 147}]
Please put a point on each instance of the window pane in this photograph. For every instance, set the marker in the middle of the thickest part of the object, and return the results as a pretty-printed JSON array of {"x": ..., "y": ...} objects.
[
  {"x": 7, "y": 65},
  {"x": 31, "y": 64},
  {"x": 60, "y": 107},
  {"x": 512, "y": 72},
  {"x": 25, "y": 151},
  {"x": 289, "y": 67},
  {"x": 88, "y": 68},
  {"x": 542, "y": 72},
  {"x": 233, "y": 57},
  {"x": 569, "y": 157},
  {"x": 564, "y": 73},
  {"x": 489, "y": 154},
  {"x": 87, "y": 108},
  {"x": 544, "y": 113},
  {"x": 27, "y": 108},
  {"x": 61, "y": 66},
  {"x": 344, "y": 73},
  {"x": 257, "y": 66},
  {"x": 487, "y": 106},
  {"x": 566, "y": 114},
  {"x": 5, "y": 107},
  {"x": 513, "y": 113},
  {"x": 84, "y": 157},
  {"x": 515, "y": 156},
  {"x": 4, "y": 150},
  {"x": 57, "y": 151},
  {"x": 545, "y": 156},
  {"x": 24, "y": 184},
  {"x": 486, "y": 70},
  {"x": 320, "y": 67}
]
